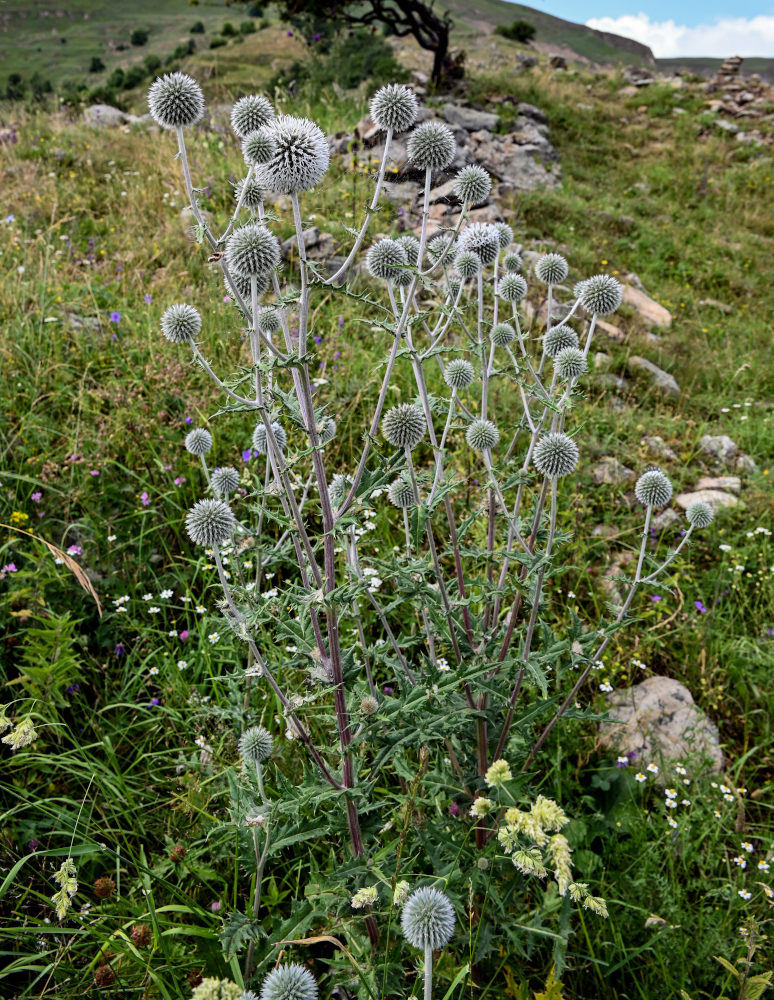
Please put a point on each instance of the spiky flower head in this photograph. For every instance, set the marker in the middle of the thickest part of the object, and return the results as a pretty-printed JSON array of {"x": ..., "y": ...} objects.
[
  {"x": 467, "y": 264},
  {"x": 653, "y": 488},
  {"x": 472, "y": 185},
  {"x": 512, "y": 262},
  {"x": 327, "y": 430},
  {"x": 198, "y": 441},
  {"x": 250, "y": 114},
  {"x": 551, "y": 268},
  {"x": 175, "y": 100},
  {"x": 210, "y": 522},
  {"x": 440, "y": 245},
  {"x": 427, "y": 919},
  {"x": 394, "y": 107},
  {"x": 338, "y": 489},
  {"x": 505, "y": 233},
  {"x": 260, "y": 437},
  {"x": 224, "y": 481},
  {"x": 459, "y": 374},
  {"x": 482, "y": 435},
  {"x": 502, "y": 334},
  {"x": 400, "y": 493},
  {"x": 385, "y": 260},
  {"x": 180, "y": 322},
  {"x": 700, "y": 514},
  {"x": 255, "y": 745},
  {"x": 453, "y": 285},
  {"x": 512, "y": 287},
  {"x": 258, "y": 148},
  {"x": 498, "y": 773},
  {"x": 483, "y": 239},
  {"x": 300, "y": 158},
  {"x": 404, "y": 425},
  {"x": 410, "y": 244},
  {"x": 570, "y": 363},
  {"x": 369, "y": 705},
  {"x": 431, "y": 146},
  {"x": 242, "y": 285},
  {"x": 269, "y": 320},
  {"x": 289, "y": 982},
  {"x": 251, "y": 193},
  {"x": 601, "y": 294},
  {"x": 558, "y": 339},
  {"x": 252, "y": 251},
  {"x": 555, "y": 455}
]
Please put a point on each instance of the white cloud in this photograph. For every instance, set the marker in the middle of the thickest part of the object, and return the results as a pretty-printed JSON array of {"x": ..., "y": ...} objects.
[{"x": 728, "y": 36}]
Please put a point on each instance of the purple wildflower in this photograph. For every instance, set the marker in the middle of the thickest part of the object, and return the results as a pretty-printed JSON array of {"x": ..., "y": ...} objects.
[{"x": 115, "y": 317}]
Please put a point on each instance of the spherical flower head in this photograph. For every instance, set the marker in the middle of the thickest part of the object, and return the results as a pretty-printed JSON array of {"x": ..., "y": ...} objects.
[
  {"x": 180, "y": 322},
  {"x": 260, "y": 440},
  {"x": 431, "y": 146},
  {"x": 224, "y": 481},
  {"x": 404, "y": 425},
  {"x": 400, "y": 493},
  {"x": 269, "y": 320},
  {"x": 255, "y": 745},
  {"x": 453, "y": 286},
  {"x": 243, "y": 286},
  {"x": 558, "y": 339},
  {"x": 459, "y": 374},
  {"x": 653, "y": 488},
  {"x": 369, "y": 705},
  {"x": 472, "y": 185},
  {"x": 252, "y": 251},
  {"x": 338, "y": 488},
  {"x": 570, "y": 363},
  {"x": 502, "y": 334},
  {"x": 467, "y": 264},
  {"x": 700, "y": 514},
  {"x": 300, "y": 157},
  {"x": 498, "y": 773},
  {"x": 481, "y": 807},
  {"x": 512, "y": 287},
  {"x": 551, "y": 268},
  {"x": 512, "y": 262},
  {"x": 175, "y": 100},
  {"x": 555, "y": 455},
  {"x": 439, "y": 245},
  {"x": 251, "y": 193},
  {"x": 210, "y": 522},
  {"x": 410, "y": 244},
  {"x": 250, "y": 114},
  {"x": 258, "y": 148},
  {"x": 483, "y": 239},
  {"x": 385, "y": 260},
  {"x": 601, "y": 294},
  {"x": 427, "y": 919},
  {"x": 289, "y": 982},
  {"x": 394, "y": 107},
  {"x": 505, "y": 233},
  {"x": 482, "y": 435},
  {"x": 198, "y": 441},
  {"x": 217, "y": 989}
]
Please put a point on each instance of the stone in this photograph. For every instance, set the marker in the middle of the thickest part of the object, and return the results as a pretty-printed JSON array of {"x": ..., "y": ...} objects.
[
  {"x": 470, "y": 119},
  {"x": 656, "y": 446},
  {"x": 604, "y": 531},
  {"x": 557, "y": 62},
  {"x": 665, "y": 519},
  {"x": 609, "y": 470},
  {"x": 612, "y": 332},
  {"x": 401, "y": 192},
  {"x": 104, "y": 116},
  {"x": 602, "y": 361},
  {"x": 526, "y": 61},
  {"x": 732, "y": 484},
  {"x": 487, "y": 213},
  {"x": 730, "y": 127},
  {"x": 658, "y": 721},
  {"x": 518, "y": 166},
  {"x": 651, "y": 312},
  {"x": 722, "y": 448},
  {"x": 445, "y": 192},
  {"x": 721, "y": 306},
  {"x": 661, "y": 380},
  {"x": 745, "y": 463},
  {"x": 318, "y": 245},
  {"x": 716, "y": 498},
  {"x": 606, "y": 380},
  {"x": 530, "y": 111}
]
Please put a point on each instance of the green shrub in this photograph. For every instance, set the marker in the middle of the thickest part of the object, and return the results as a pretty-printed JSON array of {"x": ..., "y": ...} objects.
[
  {"x": 218, "y": 42},
  {"x": 519, "y": 31},
  {"x": 152, "y": 63},
  {"x": 197, "y": 28},
  {"x": 116, "y": 79},
  {"x": 184, "y": 49},
  {"x": 228, "y": 30},
  {"x": 134, "y": 76},
  {"x": 350, "y": 61},
  {"x": 96, "y": 65},
  {"x": 139, "y": 36},
  {"x": 247, "y": 28},
  {"x": 255, "y": 10}
]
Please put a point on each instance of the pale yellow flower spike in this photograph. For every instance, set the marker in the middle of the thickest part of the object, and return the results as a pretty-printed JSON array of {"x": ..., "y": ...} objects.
[
  {"x": 24, "y": 734},
  {"x": 66, "y": 878}
]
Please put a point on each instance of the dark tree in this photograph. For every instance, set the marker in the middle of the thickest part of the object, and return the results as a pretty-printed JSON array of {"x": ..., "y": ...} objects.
[
  {"x": 519, "y": 31},
  {"x": 402, "y": 18}
]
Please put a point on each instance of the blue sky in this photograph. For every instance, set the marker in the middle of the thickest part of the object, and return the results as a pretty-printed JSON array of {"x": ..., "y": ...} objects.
[{"x": 689, "y": 28}]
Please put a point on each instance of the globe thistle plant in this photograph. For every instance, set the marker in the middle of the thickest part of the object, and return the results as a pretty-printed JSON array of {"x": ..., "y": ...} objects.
[
  {"x": 427, "y": 921},
  {"x": 176, "y": 101},
  {"x": 180, "y": 322},
  {"x": 601, "y": 294},
  {"x": 248, "y": 192},
  {"x": 394, "y": 108},
  {"x": 260, "y": 437},
  {"x": 512, "y": 262},
  {"x": 258, "y": 148},
  {"x": 224, "y": 481},
  {"x": 482, "y": 435},
  {"x": 250, "y": 114},
  {"x": 570, "y": 363},
  {"x": 255, "y": 745},
  {"x": 386, "y": 260},
  {"x": 404, "y": 426},
  {"x": 558, "y": 339},
  {"x": 700, "y": 514},
  {"x": 410, "y": 244},
  {"x": 555, "y": 455},
  {"x": 467, "y": 264},
  {"x": 210, "y": 522},
  {"x": 472, "y": 185},
  {"x": 502, "y": 334},
  {"x": 482, "y": 239},
  {"x": 300, "y": 158},
  {"x": 268, "y": 320},
  {"x": 400, "y": 493},
  {"x": 505, "y": 233},
  {"x": 431, "y": 146},
  {"x": 252, "y": 251},
  {"x": 459, "y": 374},
  {"x": 198, "y": 441},
  {"x": 551, "y": 268},
  {"x": 512, "y": 287},
  {"x": 289, "y": 982},
  {"x": 441, "y": 245},
  {"x": 653, "y": 488}
]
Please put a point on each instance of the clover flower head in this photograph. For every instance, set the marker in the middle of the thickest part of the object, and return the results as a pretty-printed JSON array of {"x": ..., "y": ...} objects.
[
  {"x": 180, "y": 322},
  {"x": 198, "y": 441},
  {"x": 404, "y": 425},
  {"x": 653, "y": 488},
  {"x": 431, "y": 146},
  {"x": 482, "y": 435},
  {"x": 289, "y": 982},
  {"x": 386, "y": 259},
  {"x": 269, "y": 320},
  {"x": 483, "y": 239},
  {"x": 210, "y": 522},
  {"x": 394, "y": 107},
  {"x": 512, "y": 262},
  {"x": 400, "y": 493},
  {"x": 502, "y": 334},
  {"x": 175, "y": 101},
  {"x": 252, "y": 251},
  {"x": 224, "y": 481},
  {"x": 338, "y": 489},
  {"x": 255, "y": 745},
  {"x": 700, "y": 514},
  {"x": 467, "y": 264},
  {"x": 301, "y": 156},
  {"x": 570, "y": 363},
  {"x": 555, "y": 455},
  {"x": 251, "y": 193},
  {"x": 472, "y": 185},
  {"x": 512, "y": 287},
  {"x": 440, "y": 245},
  {"x": 410, "y": 244},
  {"x": 428, "y": 919},
  {"x": 601, "y": 294},
  {"x": 558, "y": 339},
  {"x": 459, "y": 374},
  {"x": 505, "y": 233},
  {"x": 260, "y": 440},
  {"x": 250, "y": 114},
  {"x": 258, "y": 148},
  {"x": 551, "y": 268}
]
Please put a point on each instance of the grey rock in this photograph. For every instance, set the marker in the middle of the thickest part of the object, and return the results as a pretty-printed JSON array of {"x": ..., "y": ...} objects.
[
  {"x": 660, "y": 379},
  {"x": 716, "y": 498},
  {"x": 606, "y": 380},
  {"x": 82, "y": 322},
  {"x": 526, "y": 61},
  {"x": 557, "y": 62},
  {"x": 665, "y": 519},
  {"x": 659, "y": 721},
  {"x": 604, "y": 531},
  {"x": 721, "y": 447},
  {"x": 610, "y": 470},
  {"x": 744, "y": 463},
  {"x": 656, "y": 446},
  {"x": 401, "y": 192},
  {"x": 470, "y": 119},
  {"x": 730, "y": 127},
  {"x": 530, "y": 111},
  {"x": 317, "y": 245},
  {"x": 732, "y": 484},
  {"x": 602, "y": 361},
  {"x": 104, "y": 116}
]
